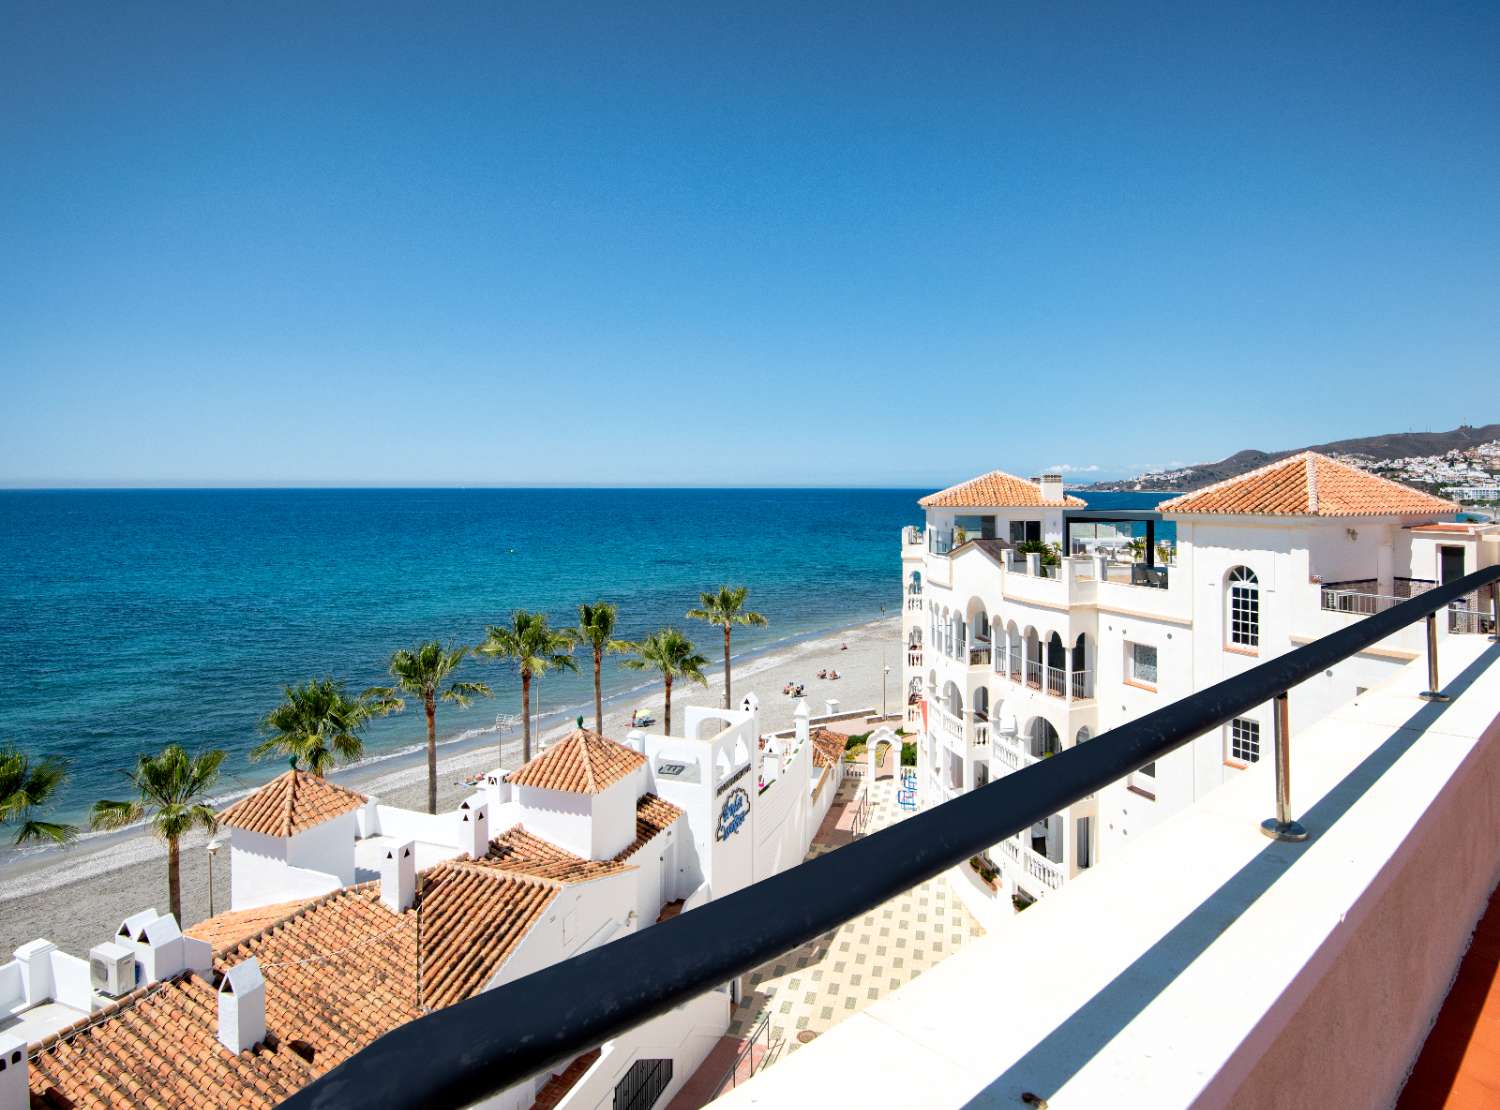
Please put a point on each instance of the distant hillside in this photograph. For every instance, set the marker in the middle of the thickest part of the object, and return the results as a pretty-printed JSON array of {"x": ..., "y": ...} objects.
[{"x": 1396, "y": 445}]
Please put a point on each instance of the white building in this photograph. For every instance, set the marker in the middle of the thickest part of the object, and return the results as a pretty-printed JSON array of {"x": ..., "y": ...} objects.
[
  {"x": 1010, "y": 660},
  {"x": 350, "y": 918}
]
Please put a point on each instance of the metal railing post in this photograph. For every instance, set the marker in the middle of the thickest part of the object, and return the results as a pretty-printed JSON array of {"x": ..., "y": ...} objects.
[
  {"x": 1282, "y": 827},
  {"x": 1495, "y": 612},
  {"x": 1432, "y": 693}
]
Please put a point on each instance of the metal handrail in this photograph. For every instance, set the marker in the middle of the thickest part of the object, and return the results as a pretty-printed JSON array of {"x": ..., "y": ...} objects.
[{"x": 475, "y": 1048}]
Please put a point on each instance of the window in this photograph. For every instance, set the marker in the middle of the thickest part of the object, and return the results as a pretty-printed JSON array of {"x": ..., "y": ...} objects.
[
  {"x": 976, "y": 527},
  {"x": 1142, "y": 659},
  {"x": 1244, "y": 740},
  {"x": 1023, "y": 530},
  {"x": 643, "y": 1084},
  {"x": 1244, "y": 608}
]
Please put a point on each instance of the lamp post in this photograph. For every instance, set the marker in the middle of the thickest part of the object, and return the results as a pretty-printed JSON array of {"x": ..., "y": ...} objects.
[
  {"x": 885, "y": 681},
  {"x": 213, "y": 850}
]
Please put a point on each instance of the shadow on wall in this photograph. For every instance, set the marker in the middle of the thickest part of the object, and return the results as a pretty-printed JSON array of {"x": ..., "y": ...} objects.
[{"x": 1069, "y": 1047}]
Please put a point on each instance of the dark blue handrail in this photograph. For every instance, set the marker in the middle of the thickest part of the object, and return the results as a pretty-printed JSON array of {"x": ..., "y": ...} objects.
[{"x": 487, "y": 1043}]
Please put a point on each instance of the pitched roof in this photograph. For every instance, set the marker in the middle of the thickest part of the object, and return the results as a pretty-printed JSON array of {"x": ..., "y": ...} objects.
[
  {"x": 227, "y": 929},
  {"x": 1308, "y": 484},
  {"x": 520, "y": 852},
  {"x": 652, "y": 816},
  {"x": 290, "y": 803},
  {"x": 340, "y": 971},
  {"x": 523, "y": 853},
  {"x": 998, "y": 490},
  {"x": 582, "y": 762},
  {"x": 828, "y": 747},
  {"x": 472, "y": 918}
]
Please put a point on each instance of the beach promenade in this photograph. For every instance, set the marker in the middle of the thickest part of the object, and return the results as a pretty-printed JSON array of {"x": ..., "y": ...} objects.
[{"x": 77, "y": 896}]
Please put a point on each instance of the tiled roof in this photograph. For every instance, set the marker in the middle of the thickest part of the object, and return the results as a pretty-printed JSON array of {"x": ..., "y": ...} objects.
[
  {"x": 828, "y": 747},
  {"x": 290, "y": 803},
  {"x": 472, "y": 918},
  {"x": 227, "y": 929},
  {"x": 340, "y": 971},
  {"x": 1308, "y": 484},
  {"x": 523, "y": 853},
  {"x": 996, "y": 490},
  {"x": 582, "y": 762},
  {"x": 519, "y": 852},
  {"x": 652, "y": 816}
]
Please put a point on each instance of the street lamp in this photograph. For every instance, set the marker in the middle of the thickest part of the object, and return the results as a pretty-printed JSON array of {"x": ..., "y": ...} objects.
[{"x": 885, "y": 681}]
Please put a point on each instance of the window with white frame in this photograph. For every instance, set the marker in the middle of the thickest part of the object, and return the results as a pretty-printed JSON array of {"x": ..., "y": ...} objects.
[
  {"x": 1244, "y": 608},
  {"x": 1244, "y": 740},
  {"x": 1141, "y": 660}
]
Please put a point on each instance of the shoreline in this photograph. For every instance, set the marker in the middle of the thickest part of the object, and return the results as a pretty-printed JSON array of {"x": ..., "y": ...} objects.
[{"x": 46, "y": 891}]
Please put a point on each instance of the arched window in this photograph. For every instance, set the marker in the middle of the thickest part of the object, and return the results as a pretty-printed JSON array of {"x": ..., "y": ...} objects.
[{"x": 1244, "y": 608}]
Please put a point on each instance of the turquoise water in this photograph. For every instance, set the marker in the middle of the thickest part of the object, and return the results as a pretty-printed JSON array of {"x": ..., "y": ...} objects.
[{"x": 129, "y": 619}]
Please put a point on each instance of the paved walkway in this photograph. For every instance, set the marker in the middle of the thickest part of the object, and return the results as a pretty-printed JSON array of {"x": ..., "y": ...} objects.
[{"x": 811, "y": 988}]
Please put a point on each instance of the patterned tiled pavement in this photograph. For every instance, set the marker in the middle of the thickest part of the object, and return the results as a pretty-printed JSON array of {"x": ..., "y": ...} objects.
[{"x": 841, "y": 972}]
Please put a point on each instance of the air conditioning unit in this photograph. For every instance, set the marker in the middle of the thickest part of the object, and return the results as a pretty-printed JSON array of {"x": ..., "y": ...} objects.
[{"x": 112, "y": 969}]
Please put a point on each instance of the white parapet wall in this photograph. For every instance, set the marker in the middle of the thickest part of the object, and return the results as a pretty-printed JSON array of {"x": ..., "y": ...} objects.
[{"x": 1206, "y": 965}]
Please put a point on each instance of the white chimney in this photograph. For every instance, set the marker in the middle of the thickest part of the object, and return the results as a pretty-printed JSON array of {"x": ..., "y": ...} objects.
[
  {"x": 157, "y": 942},
  {"x": 474, "y": 829},
  {"x": 242, "y": 1006},
  {"x": 35, "y": 959},
  {"x": 15, "y": 1093},
  {"x": 1052, "y": 487},
  {"x": 802, "y": 715},
  {"x": 750, "y": 703},
  {"x": 398, "y": 877},
  {"x": 635, "y": 740}
]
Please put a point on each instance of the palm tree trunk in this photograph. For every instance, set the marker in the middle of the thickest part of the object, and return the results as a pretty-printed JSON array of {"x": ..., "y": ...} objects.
[
  {"x": 666, "y": 713},
  {"x": 726, "y": 666},
  {"x": 174, "y": 880},
  {"x": 431, "y": 754},
  {"x": 525, "y": 717},
  {"x": 598, "y": 694}
]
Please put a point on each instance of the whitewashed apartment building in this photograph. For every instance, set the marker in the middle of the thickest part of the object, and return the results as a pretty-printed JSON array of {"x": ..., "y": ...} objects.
[
  {"x": 350, "y": 917},
  {"x": 1009, "y": 660}
]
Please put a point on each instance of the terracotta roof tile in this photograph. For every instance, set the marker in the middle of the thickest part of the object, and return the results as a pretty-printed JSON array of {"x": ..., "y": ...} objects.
[
  {"x": 519, "y": 852},
  {"x": 582, "y": 762},
  {"x": 290, "y": 803},
  {"x": 653, "y": 816},
  {"x": 828, "y": 747},
  {"x": 523, "y": 853},
  {"x": 997, "y": 490},
  {"x": 1309, "y": 484},
  {"x": 473, "y": 917},
  {"x": 227, "y": 929},
  {"x": 340, "y": 971}
]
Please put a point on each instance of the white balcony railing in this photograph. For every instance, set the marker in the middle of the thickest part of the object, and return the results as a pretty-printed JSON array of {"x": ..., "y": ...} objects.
[
  {"x": 1034, "y": 673},
  {"x": 914, "y": 657},
  {"x": 914, "y": 603},
  {"x": 981, "y": 731},
  {"x": 1042, "y": 869}
]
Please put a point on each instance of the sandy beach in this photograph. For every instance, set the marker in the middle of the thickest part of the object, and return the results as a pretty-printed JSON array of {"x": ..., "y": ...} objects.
[{"x": 77, "y": 896}]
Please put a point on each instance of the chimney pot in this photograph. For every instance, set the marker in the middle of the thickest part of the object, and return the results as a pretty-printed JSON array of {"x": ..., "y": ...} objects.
[
  {"x": 242, "y": 1006},
  {"x": 474, "y": 830},
  {"x": 398, "y": 877}
]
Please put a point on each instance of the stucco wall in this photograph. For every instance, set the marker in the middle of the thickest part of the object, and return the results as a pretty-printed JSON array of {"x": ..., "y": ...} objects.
[
  {"x": 556, "y": 815},
  {"x": 327, "y": 847},
  {"x": 1352, "y": 1038}
]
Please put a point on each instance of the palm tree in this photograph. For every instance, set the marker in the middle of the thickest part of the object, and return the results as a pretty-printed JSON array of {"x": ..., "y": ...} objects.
[
  {"x": 421, "y": 672},
  {"x": 171, "y": 794},
  {"x": 319, "y": 723},
  {"x": 25, "y": 786},
  {"x": 534, "y": 648},
  {"x": 725, "y": 608},
  {"x": 596, "y": 630},
  {"x": 673, "y": 654}
]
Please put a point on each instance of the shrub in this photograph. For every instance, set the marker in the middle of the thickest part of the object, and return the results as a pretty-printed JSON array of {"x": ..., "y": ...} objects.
[
  {"x": 909, "y": 754},
  {"x": 1051, "y": 554}
]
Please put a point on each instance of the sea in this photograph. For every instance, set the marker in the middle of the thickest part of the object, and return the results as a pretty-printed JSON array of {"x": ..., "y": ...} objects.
[{"x": 130, "y": 619}]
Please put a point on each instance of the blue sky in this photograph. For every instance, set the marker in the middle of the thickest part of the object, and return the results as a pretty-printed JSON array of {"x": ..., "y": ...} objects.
[{"x": 769, "y": 244}]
